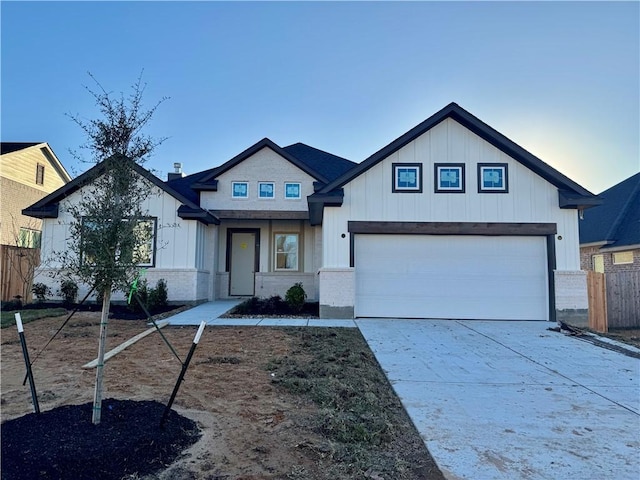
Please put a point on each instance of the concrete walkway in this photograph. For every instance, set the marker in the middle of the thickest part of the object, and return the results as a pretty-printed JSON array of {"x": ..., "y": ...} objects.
[
  {"x": 499, "y": 400},
  {"x": 210, "y": 312},
  {"x": 513, "y": 400}
]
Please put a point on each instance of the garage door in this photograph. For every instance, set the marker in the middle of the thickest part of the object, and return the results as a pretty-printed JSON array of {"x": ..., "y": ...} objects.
[{"x": 458, "y": 277}]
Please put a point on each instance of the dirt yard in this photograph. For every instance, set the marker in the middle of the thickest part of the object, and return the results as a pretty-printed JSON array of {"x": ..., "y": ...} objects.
[{"x": 252, "y": 427}]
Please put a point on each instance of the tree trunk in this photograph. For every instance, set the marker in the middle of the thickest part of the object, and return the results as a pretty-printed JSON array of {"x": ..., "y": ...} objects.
[{"x": 97, "y": 396}]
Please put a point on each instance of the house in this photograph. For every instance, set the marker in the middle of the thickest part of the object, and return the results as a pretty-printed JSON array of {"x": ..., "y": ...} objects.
[
  {"x": 28, "y": 172},
  {"x": 240, "y": 229},
  {"x": 451, "y": 220},
  {"x": 610, "y": 233}
]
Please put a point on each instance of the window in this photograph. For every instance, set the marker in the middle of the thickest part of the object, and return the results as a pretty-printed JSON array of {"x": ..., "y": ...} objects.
[
  {"x": 29, "y": 238},
  {"x": 598, "y": 263},
  {"x": 286, "y": 255},
  {"x": 141, "y": 251},
  {"x": 266, "y": 190},
  {"x": 493, "y": 178},
  {"x": 407, "y": 177},
  {"x": 40, "y": 174},
  {"x": 621, "y": 258},
  {"x": 449, "y": 177},
  {"x": 292, "y": 191},
  {"x": 240, "y": 190}
]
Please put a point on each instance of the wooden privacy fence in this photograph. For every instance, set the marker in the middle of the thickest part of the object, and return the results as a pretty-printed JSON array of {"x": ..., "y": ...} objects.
[
  {"x": 597, "y": 292},
  {"x": 623, "y": 299},
  {"x": 614, "y": 300},
  {"x": 16, "y": 271}
]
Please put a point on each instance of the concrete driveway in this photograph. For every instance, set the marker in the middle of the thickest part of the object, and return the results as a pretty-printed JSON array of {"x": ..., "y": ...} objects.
[{"x": 513, "y": 400}]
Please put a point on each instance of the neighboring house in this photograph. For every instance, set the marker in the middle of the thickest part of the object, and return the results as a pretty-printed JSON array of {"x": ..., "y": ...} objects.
[
  {"x": 451, "y": 220},
  {"x": 610, "y": 233},
  {"x": 28, "y": 172}
]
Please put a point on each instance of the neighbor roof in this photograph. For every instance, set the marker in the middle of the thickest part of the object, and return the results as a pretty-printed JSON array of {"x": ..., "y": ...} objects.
[
  {"x": 572, "y": 195},
  {"x": 10, "y": 147},
  {"x": 615, "y": 223}
]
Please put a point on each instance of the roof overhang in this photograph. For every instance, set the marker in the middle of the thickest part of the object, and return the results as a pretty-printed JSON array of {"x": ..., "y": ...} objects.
[
  {"x": 572, "y": 199},
  {"x": 261, "y": 214},
  {"x": 318, "y": 201},
  {"x": 46, "y": 211},
  {"x": 186, "y": 212}
]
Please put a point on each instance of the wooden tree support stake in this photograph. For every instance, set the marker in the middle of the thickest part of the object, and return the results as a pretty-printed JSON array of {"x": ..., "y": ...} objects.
[{"x": 122, "y": 346}]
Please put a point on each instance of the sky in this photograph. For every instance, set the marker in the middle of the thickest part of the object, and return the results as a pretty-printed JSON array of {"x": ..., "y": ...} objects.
[{"x": 561, "y": 79}]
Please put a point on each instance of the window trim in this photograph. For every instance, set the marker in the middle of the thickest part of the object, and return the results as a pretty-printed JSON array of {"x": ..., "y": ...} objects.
[
  {"x": 613, "y": 258},
  {"x": 29, "y": 238},
  {"x": 436, "y": 173},
  {"x": 394, "y": 171},
  {"x": 233, "y": 190},
  {"x": 39, "y": 174},
  {"x": 287, "y": 184},
  {"x": 505, "y": 173},
  {"x": 273, "y": 190},
  {"x": 275, "y": 252}
]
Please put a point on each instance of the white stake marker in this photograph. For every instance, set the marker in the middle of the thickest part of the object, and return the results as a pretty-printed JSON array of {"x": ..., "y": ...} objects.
[
  {"x": 19, "y": 323},
  {"x": 199, "y": 332}
]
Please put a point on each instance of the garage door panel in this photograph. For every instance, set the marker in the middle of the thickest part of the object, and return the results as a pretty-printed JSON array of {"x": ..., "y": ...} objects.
[{"x": 451, "y": 277}]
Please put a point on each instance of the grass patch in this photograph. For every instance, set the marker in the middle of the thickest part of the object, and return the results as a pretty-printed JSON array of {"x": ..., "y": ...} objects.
[
  {"x": 8, "y": 318},
  {"x": 369, "y": 432}
]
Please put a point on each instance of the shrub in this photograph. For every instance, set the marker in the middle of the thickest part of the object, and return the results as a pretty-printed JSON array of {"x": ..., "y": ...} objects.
[
  {"x": 158, "y": 296},
  {"x": 40, "y": 290},
  {"x": 10, "y": 305},
  {"x": 295, "y": 297},
  {"x": 68, "y": 291}
]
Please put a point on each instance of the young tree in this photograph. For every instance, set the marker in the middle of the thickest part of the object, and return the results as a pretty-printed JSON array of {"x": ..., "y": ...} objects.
[{"x": 108, "y": 230}]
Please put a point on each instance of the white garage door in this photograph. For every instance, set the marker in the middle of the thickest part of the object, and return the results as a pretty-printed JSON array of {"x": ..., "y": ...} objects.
[{"x": 459, "y": 277}]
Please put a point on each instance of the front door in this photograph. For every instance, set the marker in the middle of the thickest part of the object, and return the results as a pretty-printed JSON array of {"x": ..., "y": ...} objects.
[{"x": 242, "y": 266}]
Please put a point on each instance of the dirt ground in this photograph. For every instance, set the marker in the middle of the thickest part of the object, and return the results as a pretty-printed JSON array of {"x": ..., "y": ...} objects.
[{"x": 251, "y": 429}]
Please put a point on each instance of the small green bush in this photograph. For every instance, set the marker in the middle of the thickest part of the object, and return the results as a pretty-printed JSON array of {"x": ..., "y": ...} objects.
[
  {"x": 295, "y": 297},
  {"x": 40, "y": 290},
  {"x": 68, "y": 291},
  {"x": 158, "y": 297}
]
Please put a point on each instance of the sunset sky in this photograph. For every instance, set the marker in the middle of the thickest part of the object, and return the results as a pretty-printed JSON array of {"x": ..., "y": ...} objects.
[{"x": 561, "y": 79}]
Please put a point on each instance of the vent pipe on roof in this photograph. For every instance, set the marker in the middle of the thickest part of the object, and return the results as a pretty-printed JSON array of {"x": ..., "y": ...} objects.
[{"x": 177, "y": 173}]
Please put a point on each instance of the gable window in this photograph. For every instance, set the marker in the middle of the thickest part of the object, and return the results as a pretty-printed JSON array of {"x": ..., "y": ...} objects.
[
  {"x": 407, "y": 177},
  {"x": 449, "y": 177},
  {"x": 292, "y": 191},
  {"x": 286, "y": 254},
  {"x": 39, "y": 174},
  {"x": 493, "y": 178},
  {"x": 266, "y": 190},
  {"x": 240, "y": 189},
  {"x": 622, "y": 258},
  {"x": 29, "y": 238},
  {"x": 140, "y": 252}
]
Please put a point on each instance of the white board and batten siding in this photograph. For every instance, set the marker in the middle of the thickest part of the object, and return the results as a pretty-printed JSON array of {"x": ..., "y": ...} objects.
[
  {"x": 438, "y": 276},
  {"x": 182, "y": 256}
]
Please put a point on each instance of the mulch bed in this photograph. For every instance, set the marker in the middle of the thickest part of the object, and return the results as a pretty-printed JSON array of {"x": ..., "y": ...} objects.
[{"x": 63, "y": 443}]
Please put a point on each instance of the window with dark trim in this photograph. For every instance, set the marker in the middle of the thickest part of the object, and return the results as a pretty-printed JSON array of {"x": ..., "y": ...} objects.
[
  {"x": 493, "y": 178},
  {"x": 39, "y": 174},
  {"x": 407, "y": 177},
  {"x": 449, "y": 178},
  {"x": 142, "y": 252}
]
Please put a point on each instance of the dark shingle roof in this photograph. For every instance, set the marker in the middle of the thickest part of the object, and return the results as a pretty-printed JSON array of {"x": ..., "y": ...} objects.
[
  {"x": 617, "y": 221},
  {"x": 9, "y": 147},
  {"x": 329, "y": 165},
  {"x": 183, "y": 185}
]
